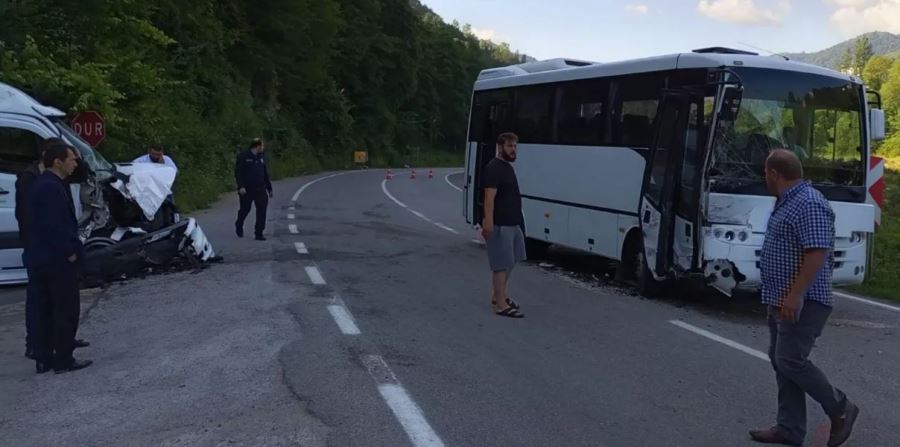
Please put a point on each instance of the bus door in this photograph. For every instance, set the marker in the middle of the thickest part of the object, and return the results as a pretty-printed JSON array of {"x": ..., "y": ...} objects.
[
  {"x": 668, "y": 205},
  {"x": 491, "y": 116}
]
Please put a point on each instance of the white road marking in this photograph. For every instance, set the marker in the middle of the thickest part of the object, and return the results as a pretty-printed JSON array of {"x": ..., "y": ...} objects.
[
  {"x": 301, "y": 248},
  {"x": 291, "y": 208},
  {"x": 442, "y": 226},
  {"x": 730, "y": 343},
  {"x": 315, "y": 276},
  {"x": 478, "y": 241},
  {"x": 447, "y": 179},
  {"x": 401, "y": 404},
  {"x": 420, "y": 216},
  {"x": 293, "y": 229},
  {"x": 313, "y": 182},
  {"x": 414, "y": 212},
  {"x": 292, "y": 216},
  {"x": 865, "y": 301},
  {"x": 344, "y": 319},
  {"x": 387, "y": 193}
]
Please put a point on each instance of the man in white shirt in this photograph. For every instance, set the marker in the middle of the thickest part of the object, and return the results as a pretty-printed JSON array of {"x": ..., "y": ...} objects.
[{"x": 156, "y": 155}]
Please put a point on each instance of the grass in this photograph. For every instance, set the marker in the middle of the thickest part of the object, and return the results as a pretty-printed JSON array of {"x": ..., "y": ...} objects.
[{"x": 885, "y": 279}]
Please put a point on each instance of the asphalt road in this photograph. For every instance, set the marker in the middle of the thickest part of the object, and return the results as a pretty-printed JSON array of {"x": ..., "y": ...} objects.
[{"x": 365, "y": 320}]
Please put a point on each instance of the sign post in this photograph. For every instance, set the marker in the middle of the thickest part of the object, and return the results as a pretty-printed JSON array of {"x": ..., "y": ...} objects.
[
  {"x": 361, "y": 158},
  {"x": 90, "y": 126}
]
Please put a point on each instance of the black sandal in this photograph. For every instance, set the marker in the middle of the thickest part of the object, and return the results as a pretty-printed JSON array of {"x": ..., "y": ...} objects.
[
  {"x": 509, "y": 303},
  {"x": 510, "y": 312}
]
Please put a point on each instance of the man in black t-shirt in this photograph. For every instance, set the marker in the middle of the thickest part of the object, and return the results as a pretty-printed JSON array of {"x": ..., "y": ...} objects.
[{"x": 502, "y": 226}]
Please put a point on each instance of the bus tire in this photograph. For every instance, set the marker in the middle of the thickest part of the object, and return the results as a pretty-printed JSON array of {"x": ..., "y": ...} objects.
[
  {"x": 648, "y": 287},
  {"x": 536, "y": 249}
]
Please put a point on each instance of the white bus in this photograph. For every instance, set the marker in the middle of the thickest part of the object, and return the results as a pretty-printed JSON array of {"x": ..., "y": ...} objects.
[{"x": 658, "y": 162}]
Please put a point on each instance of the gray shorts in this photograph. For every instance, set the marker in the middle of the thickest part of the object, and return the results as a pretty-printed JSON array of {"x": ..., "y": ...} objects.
[{"x": 505, "y": 247}]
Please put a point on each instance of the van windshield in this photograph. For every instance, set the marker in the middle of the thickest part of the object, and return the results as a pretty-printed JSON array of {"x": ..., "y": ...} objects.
[{"x": 102, "y": 168}]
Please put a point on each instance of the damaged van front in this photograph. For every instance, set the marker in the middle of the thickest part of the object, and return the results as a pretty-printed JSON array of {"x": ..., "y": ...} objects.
[{"x": 126, "y": 217}]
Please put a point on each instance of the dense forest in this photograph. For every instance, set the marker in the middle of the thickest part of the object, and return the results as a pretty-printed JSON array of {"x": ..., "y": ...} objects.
[{"x": 317, "y": 79}]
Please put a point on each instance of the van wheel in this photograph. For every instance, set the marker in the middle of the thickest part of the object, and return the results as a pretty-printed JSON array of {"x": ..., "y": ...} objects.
[{"x": 536, "y": 249}]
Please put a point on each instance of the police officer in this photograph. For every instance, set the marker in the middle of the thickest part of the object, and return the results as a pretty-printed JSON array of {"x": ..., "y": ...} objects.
[
  {"x": 254, "y": 187},
  {"x": 52, "y": 256}
]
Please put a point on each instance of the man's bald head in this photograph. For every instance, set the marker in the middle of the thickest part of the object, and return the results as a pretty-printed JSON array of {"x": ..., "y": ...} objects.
[{"x": 786, "y": 164}]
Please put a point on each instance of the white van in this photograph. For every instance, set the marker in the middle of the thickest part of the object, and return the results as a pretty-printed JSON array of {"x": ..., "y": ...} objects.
[{"x": 124, "y": 227}]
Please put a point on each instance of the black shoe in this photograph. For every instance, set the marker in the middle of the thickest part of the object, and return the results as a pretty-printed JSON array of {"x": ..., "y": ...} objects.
[
  {"x": 772, "y": 436},
  {"x": 29, "y": 352},
  {"x": 260, "y": 237},
  {"x": 842, "y": 427},
  {"x": 79, "y": 343},
  {"x": 239, "y": 231},
  {"x": 75, "y": 365},
  {"x": 42, "y": 367}
]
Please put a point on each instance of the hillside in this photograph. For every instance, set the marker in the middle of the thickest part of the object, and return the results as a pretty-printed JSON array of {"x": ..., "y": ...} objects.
[
  {"x": 316, "y": 79},
  {"x": 882, "y": 43}
]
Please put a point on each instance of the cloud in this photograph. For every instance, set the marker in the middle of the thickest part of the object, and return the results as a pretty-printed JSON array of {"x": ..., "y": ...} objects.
[
  {"x": 484, "y": 34},
  {"x": 855, "y": 17},
  {"x": 849, "y": 3},
  {"x": 745, "y": 12},
  {"x": 637, "y": 9}
]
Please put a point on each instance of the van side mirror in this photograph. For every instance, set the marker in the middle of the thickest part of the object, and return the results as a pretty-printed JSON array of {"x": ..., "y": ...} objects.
[{"x": 876, "y": 125}]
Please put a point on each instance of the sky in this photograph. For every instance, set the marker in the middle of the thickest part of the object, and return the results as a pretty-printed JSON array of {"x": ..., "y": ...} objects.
[{"x": 609, "y": 30}]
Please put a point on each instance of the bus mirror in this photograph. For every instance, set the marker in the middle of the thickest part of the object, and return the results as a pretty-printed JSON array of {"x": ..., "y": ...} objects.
[
  {"x": 876, "y": 124},
  {"x": 731, "y": 104}
]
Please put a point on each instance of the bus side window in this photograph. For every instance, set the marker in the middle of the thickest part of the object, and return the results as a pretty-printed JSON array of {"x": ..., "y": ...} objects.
[
  {"x": 581, "y": 116},
  {"x": 636, "y": 104},
  {"x": 533, "y": 118}
]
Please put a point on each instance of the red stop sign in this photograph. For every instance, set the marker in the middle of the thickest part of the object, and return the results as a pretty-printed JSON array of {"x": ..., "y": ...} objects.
[{"x": 90, "y": 127}]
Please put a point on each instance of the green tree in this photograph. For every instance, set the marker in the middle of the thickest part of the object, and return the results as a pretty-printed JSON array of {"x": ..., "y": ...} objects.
[
  {"x": 316, "y": 78},
  {"x": 846, "y": 63},
  {"x": 862, "y": 52},
  {"x": 876, "y": 71}
]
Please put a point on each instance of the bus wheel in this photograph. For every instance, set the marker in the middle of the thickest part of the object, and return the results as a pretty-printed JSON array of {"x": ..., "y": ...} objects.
[
  {"x": 647, "y": 286},
  {"x": 536, "y": 249}
]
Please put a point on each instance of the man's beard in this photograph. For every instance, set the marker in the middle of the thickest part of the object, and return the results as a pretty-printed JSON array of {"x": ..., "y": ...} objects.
[{"x": 507, "y": 157}]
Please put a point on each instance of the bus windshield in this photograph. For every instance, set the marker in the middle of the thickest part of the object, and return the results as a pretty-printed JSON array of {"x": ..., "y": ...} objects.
[{"x": 817, "y": 117}]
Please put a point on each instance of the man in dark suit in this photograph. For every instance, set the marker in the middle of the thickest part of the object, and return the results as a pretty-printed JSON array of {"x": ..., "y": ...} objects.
[
  {"x": 52, "y": 255},
  {"x": 24, "y": 181}
]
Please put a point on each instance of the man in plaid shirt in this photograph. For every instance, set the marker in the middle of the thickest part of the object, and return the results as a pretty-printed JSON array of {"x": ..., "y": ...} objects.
[{"x": 796, "y": 270}]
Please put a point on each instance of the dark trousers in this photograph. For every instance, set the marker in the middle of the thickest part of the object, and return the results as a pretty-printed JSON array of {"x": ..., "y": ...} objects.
[
  {"x": 789, "y": 348},
  {"x": 58, "y": 311},
  {"x": 260, "y": 199},
  {"x": 31, "y": 313}
]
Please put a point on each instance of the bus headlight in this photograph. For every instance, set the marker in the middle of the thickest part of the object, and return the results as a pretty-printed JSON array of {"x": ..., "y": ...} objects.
[
  {"x": 742, "y": 236},
  {"x": 857, "y": 237}
]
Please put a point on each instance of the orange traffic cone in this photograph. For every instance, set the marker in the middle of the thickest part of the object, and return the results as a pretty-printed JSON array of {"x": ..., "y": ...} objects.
[
  {"x": 390, "y": 175},
  {"x": 413, "y": 175}
]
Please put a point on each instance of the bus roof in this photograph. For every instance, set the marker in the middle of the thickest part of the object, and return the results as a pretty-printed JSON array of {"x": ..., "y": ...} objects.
[{"x": 555, "y": 70}]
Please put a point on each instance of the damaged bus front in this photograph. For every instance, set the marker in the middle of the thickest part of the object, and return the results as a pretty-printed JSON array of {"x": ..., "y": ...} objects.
[
  {"x": 126, "y": 218},
  {"x": 821, "y": 116}
]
